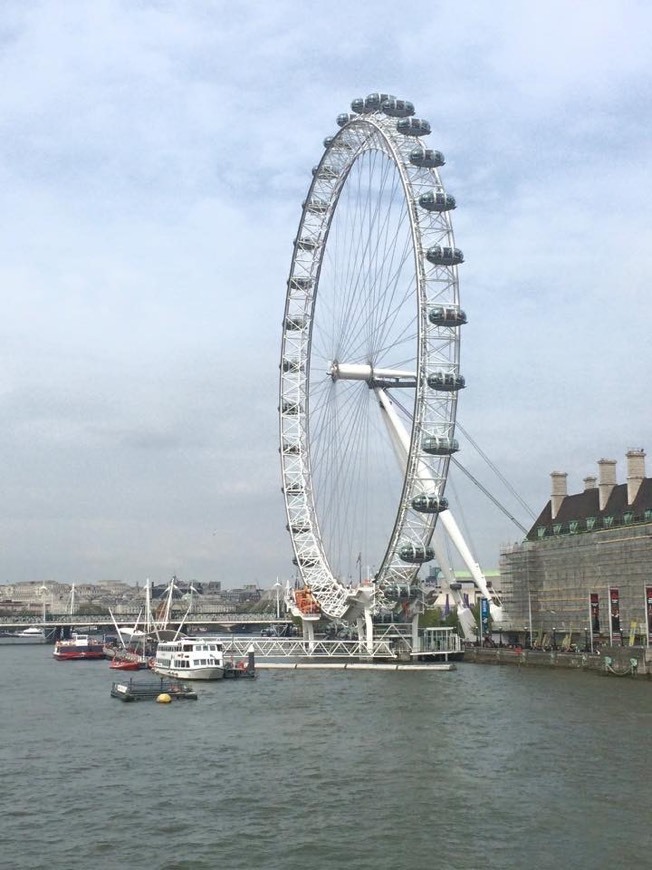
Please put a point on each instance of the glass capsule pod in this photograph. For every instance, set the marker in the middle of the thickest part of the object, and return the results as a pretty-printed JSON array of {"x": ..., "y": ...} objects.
[
  {"x": 397, "y": 108},
  {"x": 358, "y": 106},
  {"x": 291, "y": 447},
  {"x": 439, "y": 445},
  {"x": 301, "y": 283},
  {"x": 292, "y": 365},
  {"x": 305, "y": 561},
  {"x": 427, "y": 158},
  {"x": 295, "y": 322},
  {"x": 415, "y": 555},
  {"x": 328, "y": 141},
  {"x": 298, "y": 528},
  {"x": 343, "y": 119},
  {"x": 401, "y": 592},
  {"x": 306, "y": 244},
  {"x": 413, "y": 127},
  {"x": 446, "y": 382},
  {"x": 291, "y": 407},
  {"x": 429, "y": 504},
  {"x": 447, "y": 316},
  {"x": 444, "y": 256},
  {"x": 436, "y": 201},
  {"x": 373, "y": 102},
  {"x": 294, "y": 489}
]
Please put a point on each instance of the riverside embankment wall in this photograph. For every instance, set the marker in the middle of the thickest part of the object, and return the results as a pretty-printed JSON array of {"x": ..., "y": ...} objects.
[{"x": 612, "y": 661}]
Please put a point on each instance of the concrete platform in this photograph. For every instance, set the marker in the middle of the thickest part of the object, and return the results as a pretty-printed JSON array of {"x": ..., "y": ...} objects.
[{"x": 355, "y": 666}]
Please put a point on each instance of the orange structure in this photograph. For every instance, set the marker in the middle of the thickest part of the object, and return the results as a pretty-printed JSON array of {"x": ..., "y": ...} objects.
[{"x": 305, "y": 601}]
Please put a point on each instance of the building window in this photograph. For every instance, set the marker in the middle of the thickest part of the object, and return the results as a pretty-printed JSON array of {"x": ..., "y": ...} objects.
[
  {"x": 590, "y": 522},
  {"x": 628, "y": 516},
  {"x": 607, "y": 522},
  {"x": 572, "y": 526},
  {"x": 541, "y": 531},
  {"x": 556, "y": 529}
]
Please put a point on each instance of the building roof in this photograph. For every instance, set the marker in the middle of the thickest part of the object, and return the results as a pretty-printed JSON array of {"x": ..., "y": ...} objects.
[{"x": 581, "y": 512}]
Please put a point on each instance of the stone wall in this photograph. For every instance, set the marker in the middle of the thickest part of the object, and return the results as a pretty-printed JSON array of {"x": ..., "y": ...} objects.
[{"x": 612, "y": 661}]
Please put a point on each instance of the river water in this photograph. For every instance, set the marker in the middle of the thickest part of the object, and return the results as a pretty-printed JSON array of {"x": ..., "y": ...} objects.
[{"x": 481, "y": 767}]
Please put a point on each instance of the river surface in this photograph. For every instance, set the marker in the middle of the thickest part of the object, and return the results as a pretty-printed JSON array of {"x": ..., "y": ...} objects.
[{"x": 481, "y": 767}]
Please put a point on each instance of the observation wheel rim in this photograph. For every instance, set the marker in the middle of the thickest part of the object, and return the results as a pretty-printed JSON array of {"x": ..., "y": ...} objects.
[{"x": 311, "y": 558}]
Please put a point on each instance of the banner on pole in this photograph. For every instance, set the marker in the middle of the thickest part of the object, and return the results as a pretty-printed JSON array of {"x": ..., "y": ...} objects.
[
  {"x": 484, "y": 615},
  {"x": 648, "y": 611},
  {"x": 595, "y": 613},
  {"x": 614, "y": 611}
]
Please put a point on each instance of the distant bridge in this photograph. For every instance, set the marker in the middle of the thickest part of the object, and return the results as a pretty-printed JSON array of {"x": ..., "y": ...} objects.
[{"x": 102, "y": 621}]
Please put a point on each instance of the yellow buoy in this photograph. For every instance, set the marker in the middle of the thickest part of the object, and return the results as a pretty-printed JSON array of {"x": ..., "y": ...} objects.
[{"x": 164, "y": 698}]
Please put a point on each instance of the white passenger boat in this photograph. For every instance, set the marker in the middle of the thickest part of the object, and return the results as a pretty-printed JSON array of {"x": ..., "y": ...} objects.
[
  {"x": 190, "y": 658},
  {"x": 28, "y": 635}
]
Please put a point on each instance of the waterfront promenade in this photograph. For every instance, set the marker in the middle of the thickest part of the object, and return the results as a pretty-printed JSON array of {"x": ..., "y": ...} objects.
[{"x": 615, "y": 661}]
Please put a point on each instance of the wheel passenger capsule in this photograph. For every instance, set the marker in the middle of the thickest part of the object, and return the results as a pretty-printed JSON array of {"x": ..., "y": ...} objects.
[
  {"x": 344, "y": 118},
  {"x": 426, "y": 158},
  {"x": 439, "y": 445},
  {"x": 374, "y": 101},
  {"x": 447, "y": 316},
  {"x": 446, "y": 382},
  {"x": 429, "y": 504},
  {"x": 444, "y": 256},
  {"x": 294, "y": 323},
  {"x": 436, "y": 201},
  {"x": 397, "y": 108},
  {"x": 413, "y": 127},
  {"x": 301, "y": 283},
  {"x": 416, "y": 555}
]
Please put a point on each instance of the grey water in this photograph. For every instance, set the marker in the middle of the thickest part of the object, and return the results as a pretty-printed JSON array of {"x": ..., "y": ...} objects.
[{"x": 481, "y": 767}]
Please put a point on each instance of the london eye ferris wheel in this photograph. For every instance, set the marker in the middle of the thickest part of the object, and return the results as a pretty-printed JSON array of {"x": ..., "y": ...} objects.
[{"x": 369, "y": 372}]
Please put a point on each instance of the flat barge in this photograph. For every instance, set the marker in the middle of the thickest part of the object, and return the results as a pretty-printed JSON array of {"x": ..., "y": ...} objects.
[{"x": 150, "y": 690}]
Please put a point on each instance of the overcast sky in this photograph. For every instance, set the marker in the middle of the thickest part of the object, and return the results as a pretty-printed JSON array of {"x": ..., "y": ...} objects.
[{"x": 154, "y": 159}]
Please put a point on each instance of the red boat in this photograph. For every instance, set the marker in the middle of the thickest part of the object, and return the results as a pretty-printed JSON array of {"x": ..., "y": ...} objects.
[
  {"x": 126, "y": 660},
  {"x": 118, "y": 664},
  {"x": 80, "y": 646}
]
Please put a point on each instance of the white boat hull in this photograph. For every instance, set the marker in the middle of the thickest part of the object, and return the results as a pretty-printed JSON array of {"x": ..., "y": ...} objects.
[{"x": 202, "y": 673}]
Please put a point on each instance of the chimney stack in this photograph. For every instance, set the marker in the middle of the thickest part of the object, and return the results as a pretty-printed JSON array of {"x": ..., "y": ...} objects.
[
  {"x": 635, "y": 473},
  {"x": 559, "y": 491},
  {"x": 590, "y": 482},
  {"x": 607, "y": 471}
]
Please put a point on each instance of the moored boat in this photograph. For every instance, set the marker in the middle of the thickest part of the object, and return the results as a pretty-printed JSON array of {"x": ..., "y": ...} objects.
[
  {"x": 190, "y": 658},
  {"x": 80, "y": 646},
  {"x": 33, "y": 634},
  {"x": 118, "y": 663}
]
